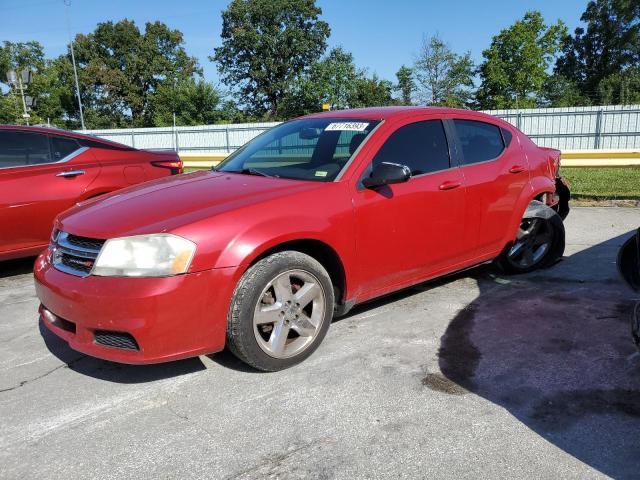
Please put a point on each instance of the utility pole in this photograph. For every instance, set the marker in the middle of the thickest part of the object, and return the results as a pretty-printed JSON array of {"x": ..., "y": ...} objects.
[{"x": 73, "y": 61}]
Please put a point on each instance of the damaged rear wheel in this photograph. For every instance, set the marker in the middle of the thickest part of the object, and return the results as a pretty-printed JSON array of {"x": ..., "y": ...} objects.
[{"x": 538, "y": 243}]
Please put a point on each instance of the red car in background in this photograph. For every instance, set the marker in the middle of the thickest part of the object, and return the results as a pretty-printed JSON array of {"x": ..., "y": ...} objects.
[
  {"x": 305, "y": 221},
  {"x": 45, "y": 171}
]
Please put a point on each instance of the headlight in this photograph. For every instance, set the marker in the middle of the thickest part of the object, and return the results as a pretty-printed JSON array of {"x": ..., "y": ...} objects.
[{"x": 158, "y": 255}]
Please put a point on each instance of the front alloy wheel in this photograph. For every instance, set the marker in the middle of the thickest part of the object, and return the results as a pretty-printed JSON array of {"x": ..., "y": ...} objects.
[
  {"x": 289, "y": 313},
  {"x": 280, "y": 311}
]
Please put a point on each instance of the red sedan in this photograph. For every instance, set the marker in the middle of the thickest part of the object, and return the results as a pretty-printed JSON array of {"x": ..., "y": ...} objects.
[
  {"x": 305, "y": 221},
  {"x": 44, "y": 171}
]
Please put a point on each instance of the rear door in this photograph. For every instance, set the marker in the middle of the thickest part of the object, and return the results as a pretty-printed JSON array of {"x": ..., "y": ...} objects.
[
  {"x": 410, "y": 230},
  {"x": 495, "y": 172},
  {"x": 40, "y": 176}
]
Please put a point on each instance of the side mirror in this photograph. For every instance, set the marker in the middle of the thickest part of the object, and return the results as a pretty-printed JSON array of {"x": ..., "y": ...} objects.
[{"x": 386, "y": 173}]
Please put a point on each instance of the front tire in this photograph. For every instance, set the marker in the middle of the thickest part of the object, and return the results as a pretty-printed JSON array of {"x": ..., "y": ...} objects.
[
  {"x": 280, "y": 311},
  {"x": 539, "y": 243}
]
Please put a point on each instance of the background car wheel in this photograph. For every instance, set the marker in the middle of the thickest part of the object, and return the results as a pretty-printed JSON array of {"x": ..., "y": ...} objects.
[
  {"x": 280, "y": 311},
  {"x": 540, "y": 241}
]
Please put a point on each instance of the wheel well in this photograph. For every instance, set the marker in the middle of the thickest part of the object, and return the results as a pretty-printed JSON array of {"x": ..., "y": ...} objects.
[{"x": 321, "y": 252}]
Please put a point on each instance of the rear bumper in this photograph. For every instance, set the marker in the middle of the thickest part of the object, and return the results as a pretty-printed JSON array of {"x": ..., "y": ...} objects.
[{"x": 169, "y": 318}]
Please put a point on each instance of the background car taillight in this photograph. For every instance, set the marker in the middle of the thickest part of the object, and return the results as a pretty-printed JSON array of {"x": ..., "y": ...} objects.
[{"x": 175, "y": 166}]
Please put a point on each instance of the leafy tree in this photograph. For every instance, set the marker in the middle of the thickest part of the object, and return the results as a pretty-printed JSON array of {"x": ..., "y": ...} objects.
[
  {"x": 516, "y": 63},
  {"x": 406, "y": 86},
  {"x": 442, "y": 76},
  {"x": 18, "y": 57},
  {"x": 193, "y": 102},
  {"x": 371, "y": 92},
  {"x": 559, "y": 91},
  {"x": 609, "y": 46},
  {"x": 120, "y": 69},
  {"x": 266, "y": 46},
  {"x": 330, "y": 80},
  {"x": 620, "y": 88}
]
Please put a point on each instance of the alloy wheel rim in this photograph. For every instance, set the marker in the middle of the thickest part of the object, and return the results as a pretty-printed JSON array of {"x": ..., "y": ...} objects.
[
  {"x": 289, "y": 313},
  {"x": 533, "y": 241}
]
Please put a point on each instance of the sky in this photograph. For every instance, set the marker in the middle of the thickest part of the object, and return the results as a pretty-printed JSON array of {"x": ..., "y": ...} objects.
[{"x": 381, "y": 34}]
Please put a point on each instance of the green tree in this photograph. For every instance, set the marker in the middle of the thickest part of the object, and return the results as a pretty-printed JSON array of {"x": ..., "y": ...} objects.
[
  {"x": 620, "y": 88},
  {"x": 442, "y": 76},
  {"x": 120, "y": 69},
  {"x": 559, "y": 91},
  {"x": 331, "y": 80},
  {"x": 608, "y": 46},
  {"x": 18, "y": 57},
  {"x": 266, "y": 46},
  {"x": 194, "y": 102},
  {"x": 371, "y": 91},
  {"x": 406, "y": 86},
  {"x": 515, "y": 66}
]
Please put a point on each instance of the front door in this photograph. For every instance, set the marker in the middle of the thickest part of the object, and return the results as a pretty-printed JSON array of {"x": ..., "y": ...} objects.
[{"x": 409, "y": 231}]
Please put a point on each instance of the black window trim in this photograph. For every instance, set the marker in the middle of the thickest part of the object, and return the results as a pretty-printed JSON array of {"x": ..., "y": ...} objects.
[
  {"x": 458, "y": 142},
  {"x": 418, "y": 119},
  {"x": 80, "y": 150}
]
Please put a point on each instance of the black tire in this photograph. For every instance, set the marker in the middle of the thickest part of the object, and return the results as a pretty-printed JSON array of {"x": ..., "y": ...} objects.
[
  {"x": 242, "y": 339},
  {"x": 545, "y": 227}
]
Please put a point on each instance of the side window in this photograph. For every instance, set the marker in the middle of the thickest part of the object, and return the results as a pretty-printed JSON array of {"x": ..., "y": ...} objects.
[
  {"x": 422, "y": 146},
  {"x": 62, "y": 146},
  {"x": 18, "y": 149},
  {"x": 480, "y": 141}
]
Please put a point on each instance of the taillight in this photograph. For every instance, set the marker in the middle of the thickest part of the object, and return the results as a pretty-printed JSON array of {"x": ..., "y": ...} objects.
[{"x": 174, "y": 165}]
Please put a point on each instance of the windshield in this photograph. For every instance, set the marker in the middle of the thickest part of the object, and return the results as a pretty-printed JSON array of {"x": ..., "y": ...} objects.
[{"x": 307, "y": 149}]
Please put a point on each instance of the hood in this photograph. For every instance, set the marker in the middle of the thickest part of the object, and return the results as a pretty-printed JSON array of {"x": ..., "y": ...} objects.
[{"x": 166, "y": 204}]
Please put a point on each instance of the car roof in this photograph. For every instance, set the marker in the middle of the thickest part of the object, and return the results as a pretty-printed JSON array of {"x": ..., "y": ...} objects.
[
  {"x": 387, "y": 113},
  {"x": 65, "y": 133}
]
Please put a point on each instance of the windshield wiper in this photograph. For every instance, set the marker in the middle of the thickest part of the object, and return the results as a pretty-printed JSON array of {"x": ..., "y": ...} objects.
[{"x": 253, "y": 171}]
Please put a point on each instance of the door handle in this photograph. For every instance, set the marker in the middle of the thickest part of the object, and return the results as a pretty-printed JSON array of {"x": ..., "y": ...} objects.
[
  {"x": 450, "y": 185},
  {"x": 516, "y": 169},
  {"x": 71, "y": 173}
]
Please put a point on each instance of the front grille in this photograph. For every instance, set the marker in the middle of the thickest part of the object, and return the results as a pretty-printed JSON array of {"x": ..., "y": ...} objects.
[
  {"x": 115, "y": 340},
  {"x": 84, "y": 242},
  {"x": 75, "y": 255}
]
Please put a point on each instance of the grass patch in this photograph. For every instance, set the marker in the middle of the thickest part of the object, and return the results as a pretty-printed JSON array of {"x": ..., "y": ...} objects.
[{"x": 603, "y": 183}]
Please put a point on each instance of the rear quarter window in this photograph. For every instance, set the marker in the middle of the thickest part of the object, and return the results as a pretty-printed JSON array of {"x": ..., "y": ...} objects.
[
  {"x": 62, "y": 147},
  {"x": 480, "y": 141}
]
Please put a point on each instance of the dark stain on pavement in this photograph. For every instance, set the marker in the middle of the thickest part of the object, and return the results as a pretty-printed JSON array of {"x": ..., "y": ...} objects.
[{"x": 440, "y": 383}]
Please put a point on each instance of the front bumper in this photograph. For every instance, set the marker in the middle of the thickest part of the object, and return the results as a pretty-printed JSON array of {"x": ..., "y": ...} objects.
[{"x": 169, "y": 318}]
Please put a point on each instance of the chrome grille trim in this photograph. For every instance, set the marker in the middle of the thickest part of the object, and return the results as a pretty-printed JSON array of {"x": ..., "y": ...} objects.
[{"x": 74, "y": 257}]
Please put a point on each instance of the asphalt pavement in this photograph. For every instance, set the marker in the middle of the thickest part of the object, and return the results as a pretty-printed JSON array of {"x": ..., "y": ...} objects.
[{"x": 478, "y": 375}]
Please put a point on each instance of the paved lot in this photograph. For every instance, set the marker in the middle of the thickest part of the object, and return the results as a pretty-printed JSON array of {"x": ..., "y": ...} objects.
[{"x": 473, "y": 377}]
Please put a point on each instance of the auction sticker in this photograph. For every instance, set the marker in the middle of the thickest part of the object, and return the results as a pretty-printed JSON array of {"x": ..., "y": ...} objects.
[{"x": 347, "y": 126}]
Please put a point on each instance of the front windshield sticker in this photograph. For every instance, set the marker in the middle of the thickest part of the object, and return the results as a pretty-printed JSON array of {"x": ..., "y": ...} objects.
[
  {"x": 347, "y": 126},
  {"x": 320, "y": 173}
]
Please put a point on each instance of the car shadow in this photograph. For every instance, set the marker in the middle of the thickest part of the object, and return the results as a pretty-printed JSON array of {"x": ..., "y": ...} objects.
[
  {"x": 20, "y": 266},
  {"x": 555, "y": 350}
]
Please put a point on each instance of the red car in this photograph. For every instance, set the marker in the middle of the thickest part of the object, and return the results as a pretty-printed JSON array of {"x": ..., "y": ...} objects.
[
  {"x": 44, "y": 171},
  {"x": 305, "y": 221}
]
